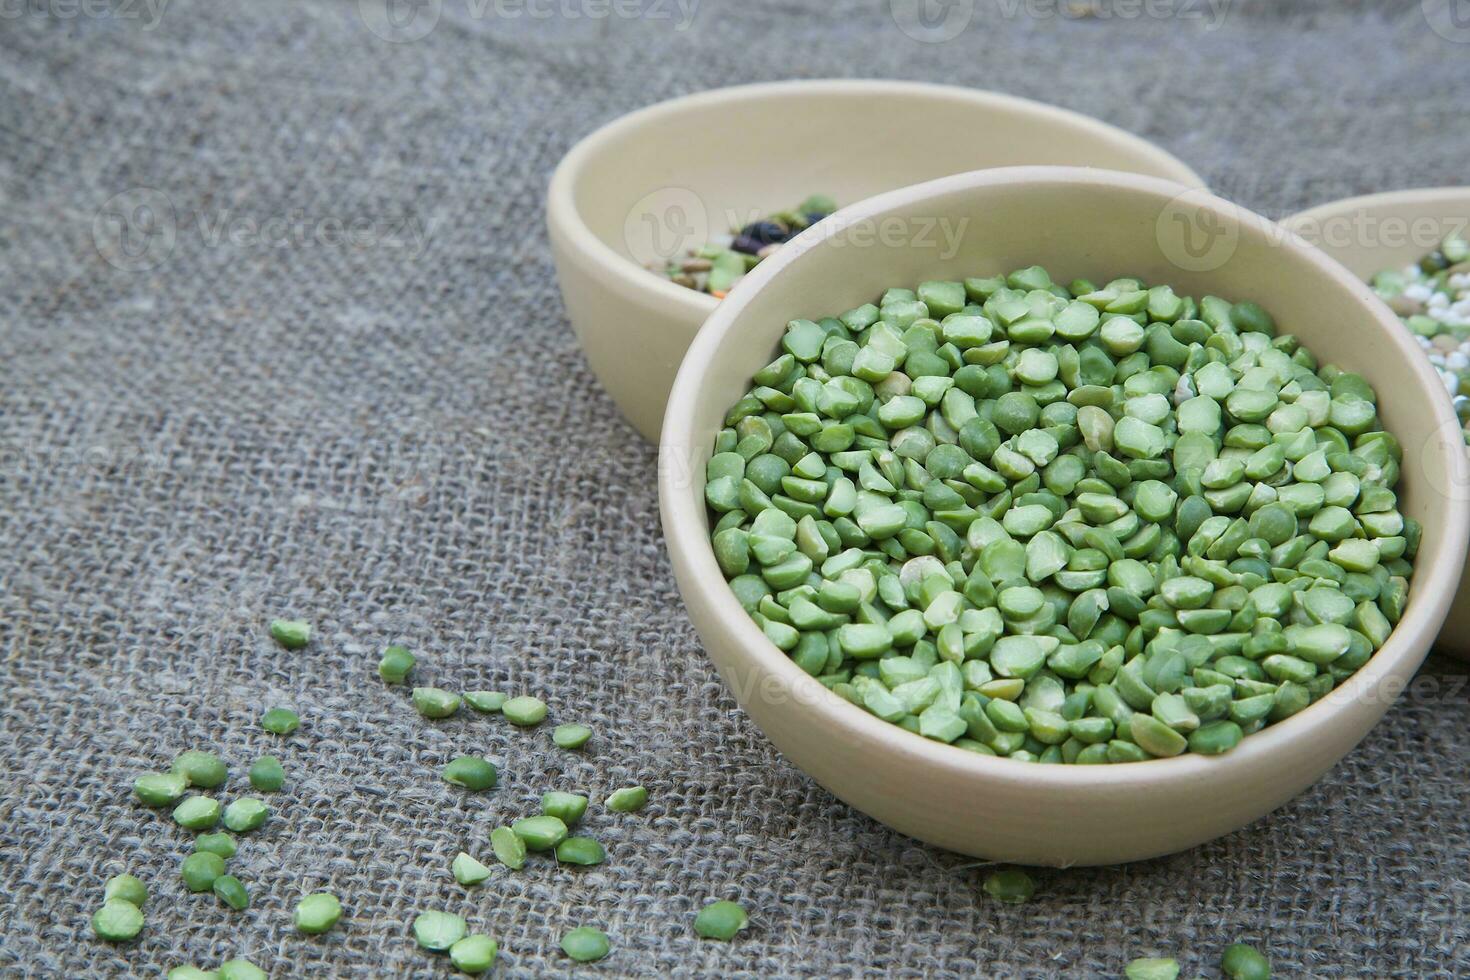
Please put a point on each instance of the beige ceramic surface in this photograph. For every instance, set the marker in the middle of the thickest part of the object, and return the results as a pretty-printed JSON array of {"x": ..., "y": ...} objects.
[
  {"x": 658, "y": 181},
  {"x": 1390, "y": 231},
  {"x": 1076, "y": 223}
]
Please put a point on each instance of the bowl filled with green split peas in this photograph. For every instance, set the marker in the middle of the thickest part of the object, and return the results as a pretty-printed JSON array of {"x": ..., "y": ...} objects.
[
  {"x": 659, "y": 213},
  {"x": 1087, "y": 542},
  {"x": 1413, "y": 246}
]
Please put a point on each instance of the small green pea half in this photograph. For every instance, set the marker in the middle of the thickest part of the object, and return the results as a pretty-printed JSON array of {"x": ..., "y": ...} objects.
[
  {"x": 485, "y": 702},
  {"x": 291, "y": 634},
  {"x": 540, "y": 833},
  {"x": 160, "y": 788},
  {"x": 582, "y": 851},
  {"x": 566, "y": 807},
  {"x": 197, "y": 813},
  {"x": 1152, "y": 968},
  {"x": 1242, "y": 962},
  {"x": 720, "y": 920},
  {"x": 395, "y": 665},
  {"x": 280, "y": 721},
  {"x": 468, "y": 871},
  {"x": 473, "y": 954},
  {"x": 229, "y": 889},
  {"x": 1011, "y": 886},
  {"x": 241, "y": 969},
  {"x": 267, "y": 775},
  {"x": 471, "y": 772},
  {"x": 221, "y": 844},
  {"x": 438, "y": 931},
  {"x": 524, "y": 711},
  {"x": 627, "y": 799},
  {"x": 432, "y": 702},
  {"x": 318, "y": 912},
  {"x": 246, "y": 814},
  {"x": 585, "y": 944},
  {"x": 202, "y": 769},
  {"x": 509, "y": 849},
  {"x": 117, "y": 921},
  {"x": 126, "y": 887},
  {"x": 200, "y": 869},
  {"x": 571, "y": 736}
]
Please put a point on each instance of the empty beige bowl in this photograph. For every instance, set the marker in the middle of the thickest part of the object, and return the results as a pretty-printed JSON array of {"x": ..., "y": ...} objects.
[
  {"x": 657, "y": 182},
  {"x": 1095, "y": 225},
  {"x": 1390, "y": 231}
]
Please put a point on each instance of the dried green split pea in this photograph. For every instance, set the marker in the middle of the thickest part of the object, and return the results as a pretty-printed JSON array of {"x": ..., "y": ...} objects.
[
  {"x": 317, "y": 913},
  {"x": 720, "y": 920},
  {"x": 585, "y": 944}
]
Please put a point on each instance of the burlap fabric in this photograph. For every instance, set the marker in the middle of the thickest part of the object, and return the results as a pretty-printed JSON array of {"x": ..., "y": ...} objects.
[{"x": 281, "y": 336}]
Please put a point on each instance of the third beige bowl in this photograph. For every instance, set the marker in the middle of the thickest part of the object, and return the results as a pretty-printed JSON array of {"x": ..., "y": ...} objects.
[
  {"x": 652, "y": 184},
  {"x": 1389, "y": 231},
  {"x": 1096, "y": 225}
]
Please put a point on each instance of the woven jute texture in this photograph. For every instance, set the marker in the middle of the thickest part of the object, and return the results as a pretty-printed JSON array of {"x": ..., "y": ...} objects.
[{"x": 281, "y": 337}]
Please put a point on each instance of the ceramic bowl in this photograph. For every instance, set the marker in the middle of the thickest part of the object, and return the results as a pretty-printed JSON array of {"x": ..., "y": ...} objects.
[
  {"x": 1390, "y": 231},
  {"x": 1095, "y": 225},
  {"x": 657, "y": 182}
]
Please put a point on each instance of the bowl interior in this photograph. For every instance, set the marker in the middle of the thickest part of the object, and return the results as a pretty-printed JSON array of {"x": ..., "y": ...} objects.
[
  {"x": 662, "y": 180},
  {"x": 1098, "y": 226}
]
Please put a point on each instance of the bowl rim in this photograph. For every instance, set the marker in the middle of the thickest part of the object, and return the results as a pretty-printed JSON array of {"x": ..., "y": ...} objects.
[
  {"x": 1406, "y": 647},
  {"x": 562, "y": 212}
]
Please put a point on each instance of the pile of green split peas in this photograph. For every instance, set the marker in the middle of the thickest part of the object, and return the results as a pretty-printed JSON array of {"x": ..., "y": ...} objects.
[
  {"x": 1080, "y": 524},
  {"x": 120, "y": 917}
]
